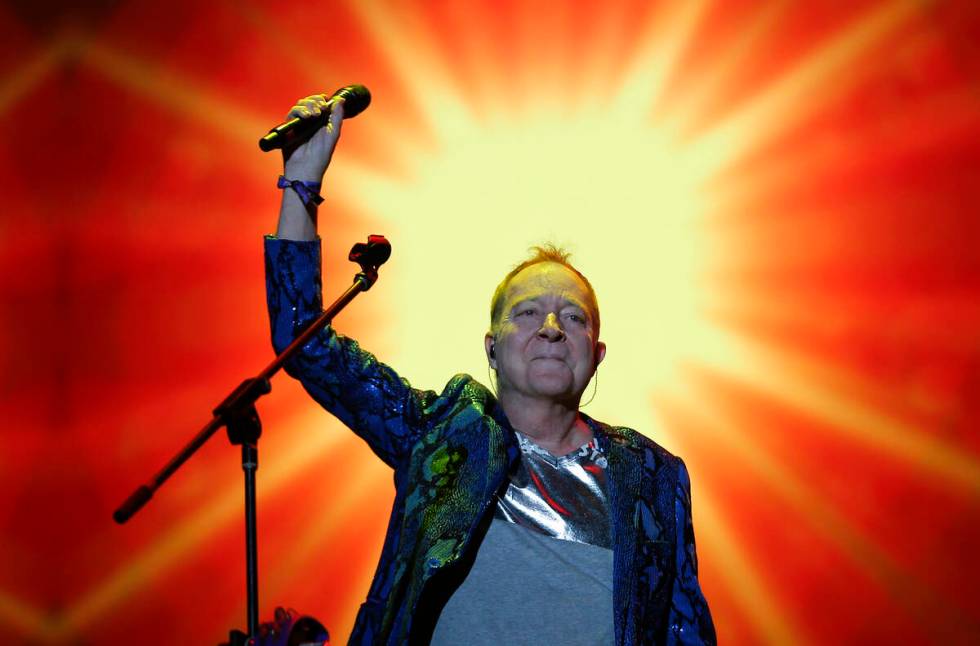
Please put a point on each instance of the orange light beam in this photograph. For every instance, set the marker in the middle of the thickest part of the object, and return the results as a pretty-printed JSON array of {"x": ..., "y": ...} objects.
[
  {"x": 337, "y": 509},
  {"x": 222, "y": 508},
  {"x": 915, "y": 595},
  {"x": 790, "y": 379},
  {"x": 664, "y": 42},
  {"x": 408, "y": 47},
  {"x": 808, "y": 87},
  {"x": 14, "y": 86},
  {"x": 312, "y": 68},
  {"x": 336, "y": 512},
  {"x": 772, "y": 623},
  {"x": 757, "y": 306},
  {"x": 600, "y": 61},
  {"x": 393, "y": 137},
  {"x": 835, "y": 155},
  {"x": 221, "y": 114},
  {"x": 683, "y": 110},
  {"x": 20, "y": 617}
]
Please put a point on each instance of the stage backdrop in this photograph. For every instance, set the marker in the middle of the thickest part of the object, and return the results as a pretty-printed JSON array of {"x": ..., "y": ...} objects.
[{"x": 777, "y": 203}]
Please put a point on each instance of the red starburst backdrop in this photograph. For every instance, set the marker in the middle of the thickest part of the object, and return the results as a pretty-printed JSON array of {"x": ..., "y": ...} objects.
[{"x": 779, "y": 202}]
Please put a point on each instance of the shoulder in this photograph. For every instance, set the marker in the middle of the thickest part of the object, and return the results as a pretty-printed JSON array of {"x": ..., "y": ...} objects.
[
  {"x": 629, "y": 438},
  {"x": 461, "y": 393},
  {"x": 463, "y": 387},
  {"x": 652, "y": 455}
]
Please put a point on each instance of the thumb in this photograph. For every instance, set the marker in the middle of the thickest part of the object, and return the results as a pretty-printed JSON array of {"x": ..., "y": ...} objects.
[{"x": 336, "y": 116}]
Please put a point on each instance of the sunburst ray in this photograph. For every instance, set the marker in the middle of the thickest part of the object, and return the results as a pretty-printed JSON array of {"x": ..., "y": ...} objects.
[
  {"x": 756, "y": 598},
  {"x": 843, "y": 154},
  {"x": 824, "y": 517},
  {"x": 801, "y": 90},
  {"x": 409, "y": 48},
  {"x": 786, "y": 378},
  {"x": 682, "y": 112},
  {"x": 18, "y": 616},
  {"x": 34, "y": 71},
  {"x": 223, "y": 506},
  {"x": 489, "y": 158},
  {"x": 668, "y": 33}
]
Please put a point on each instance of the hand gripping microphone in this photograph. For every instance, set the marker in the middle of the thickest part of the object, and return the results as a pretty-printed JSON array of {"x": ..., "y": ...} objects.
[{"x": 297, "y": 130}]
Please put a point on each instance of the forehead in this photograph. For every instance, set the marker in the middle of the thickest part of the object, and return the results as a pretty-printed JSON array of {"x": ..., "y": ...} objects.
[{"x": 546, "y": 279}]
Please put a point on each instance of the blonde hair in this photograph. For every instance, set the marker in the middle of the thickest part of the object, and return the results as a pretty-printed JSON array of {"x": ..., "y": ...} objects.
[{"x": 547, "y": 252}]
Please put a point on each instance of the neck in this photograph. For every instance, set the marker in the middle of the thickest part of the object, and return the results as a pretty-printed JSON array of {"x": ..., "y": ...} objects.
[{"x": 553, "y": 425}]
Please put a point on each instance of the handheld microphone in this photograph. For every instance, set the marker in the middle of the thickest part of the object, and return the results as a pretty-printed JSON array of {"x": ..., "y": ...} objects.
[{"x": 297, "y": 130}]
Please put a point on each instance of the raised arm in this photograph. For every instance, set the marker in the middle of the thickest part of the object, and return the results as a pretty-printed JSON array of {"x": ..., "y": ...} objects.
[
  {"x": 365, "y": 394},
  {"x": 307, "y": 163}
]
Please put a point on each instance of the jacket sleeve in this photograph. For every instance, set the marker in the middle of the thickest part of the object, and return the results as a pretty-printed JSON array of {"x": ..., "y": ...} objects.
[
  {"x": 365, "y": 394},
  {"x": 689, "y": 621}
]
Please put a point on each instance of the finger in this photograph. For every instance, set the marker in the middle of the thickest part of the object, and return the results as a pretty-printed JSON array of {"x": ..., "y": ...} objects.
[
  {"x": 311, "y": 104},
  {"x": 336, "y": 116},
  {"x": 307, "y": 107},
  {"x": 300, "y": 111}
]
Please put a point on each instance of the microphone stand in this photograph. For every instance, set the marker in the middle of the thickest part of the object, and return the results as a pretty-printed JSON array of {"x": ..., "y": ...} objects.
[{"x": 238, "y": 414}]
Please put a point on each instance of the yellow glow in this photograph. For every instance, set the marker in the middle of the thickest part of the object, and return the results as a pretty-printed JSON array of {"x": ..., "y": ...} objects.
[
  {"x": 531, "y": 167},
  {"x": 610, "y": 189}
]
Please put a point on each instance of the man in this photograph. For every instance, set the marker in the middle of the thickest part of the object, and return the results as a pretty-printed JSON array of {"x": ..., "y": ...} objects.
[{"x": 517, "y": 519}]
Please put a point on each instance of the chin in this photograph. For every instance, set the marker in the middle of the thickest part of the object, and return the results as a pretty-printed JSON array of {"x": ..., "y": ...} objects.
[{"x": 558, "y": 387}]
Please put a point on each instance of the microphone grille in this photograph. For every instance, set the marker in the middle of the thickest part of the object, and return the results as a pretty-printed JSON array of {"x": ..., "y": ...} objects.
[{"x": 356, "y": 99}]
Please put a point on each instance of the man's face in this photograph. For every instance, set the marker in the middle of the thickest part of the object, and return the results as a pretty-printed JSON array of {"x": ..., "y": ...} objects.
[{"x": 545, "y": 344}]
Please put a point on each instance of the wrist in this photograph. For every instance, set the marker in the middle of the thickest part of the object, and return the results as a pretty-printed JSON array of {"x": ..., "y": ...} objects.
[
  {"x": 307, "y": 191},
  {"x": 303, "y": 173}
]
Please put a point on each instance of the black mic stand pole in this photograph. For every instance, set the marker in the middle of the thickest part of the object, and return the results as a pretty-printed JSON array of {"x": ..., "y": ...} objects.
[{"x": 237, "y": 412}]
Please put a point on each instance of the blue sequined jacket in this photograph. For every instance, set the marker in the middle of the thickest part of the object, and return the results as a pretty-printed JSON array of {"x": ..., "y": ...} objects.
[{"x": 451, "y": 453}]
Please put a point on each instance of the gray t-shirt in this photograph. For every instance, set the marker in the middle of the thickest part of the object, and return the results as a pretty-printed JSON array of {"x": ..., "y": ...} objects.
[
  {"x": 543, "y": 573},
  {"x": 528, "y": 589}
]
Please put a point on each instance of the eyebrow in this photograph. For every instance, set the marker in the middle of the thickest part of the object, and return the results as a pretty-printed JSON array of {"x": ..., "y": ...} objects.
[{"x": 566, "y": 303}]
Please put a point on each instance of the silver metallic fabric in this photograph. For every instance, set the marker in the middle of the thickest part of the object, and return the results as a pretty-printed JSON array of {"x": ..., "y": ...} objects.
[{"x": 565, "y": 497}]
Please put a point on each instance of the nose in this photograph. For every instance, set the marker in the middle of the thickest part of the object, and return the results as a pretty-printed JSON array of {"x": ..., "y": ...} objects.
[{"x": 550, "y": 329}]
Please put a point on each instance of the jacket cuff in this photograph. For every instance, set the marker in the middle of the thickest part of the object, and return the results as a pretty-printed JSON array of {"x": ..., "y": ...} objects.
[{"x": 293, "y": 286}]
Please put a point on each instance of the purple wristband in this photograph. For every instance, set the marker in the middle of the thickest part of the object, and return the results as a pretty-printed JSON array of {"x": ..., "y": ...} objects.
[{"x": 309, "y": 192}]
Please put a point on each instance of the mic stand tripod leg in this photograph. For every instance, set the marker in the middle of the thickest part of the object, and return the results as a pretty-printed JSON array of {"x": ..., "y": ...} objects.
[
  {"x": 245, "y": 428},
  {"x": 250, "y": 464}
]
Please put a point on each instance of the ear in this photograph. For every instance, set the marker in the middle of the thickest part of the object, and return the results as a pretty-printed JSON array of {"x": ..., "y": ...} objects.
[
  {"x": 488, "y": 343},
  {"x": 600, "y": 353}
]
